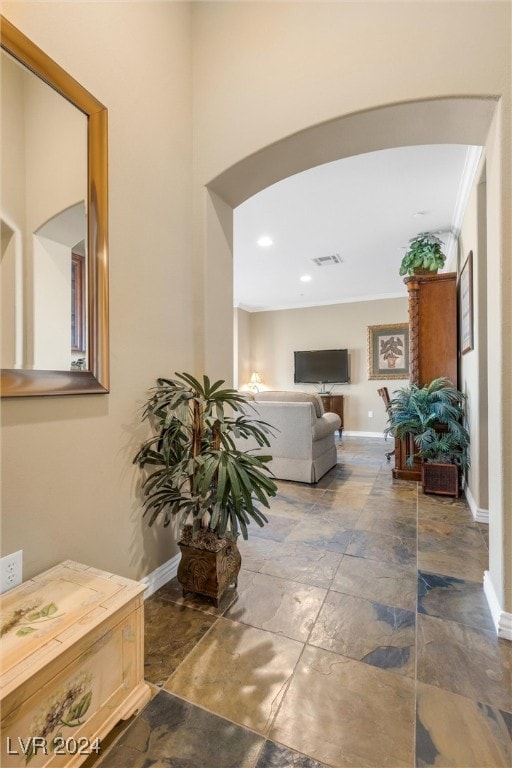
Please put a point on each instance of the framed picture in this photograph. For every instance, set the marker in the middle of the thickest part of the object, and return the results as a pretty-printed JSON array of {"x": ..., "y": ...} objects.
[
  {"x": 388, "y": 351},
  {"x": 466, "y": 304}
]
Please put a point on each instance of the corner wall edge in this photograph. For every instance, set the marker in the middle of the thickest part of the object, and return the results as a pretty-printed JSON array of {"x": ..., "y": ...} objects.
[{"x": 502, "y": 619}]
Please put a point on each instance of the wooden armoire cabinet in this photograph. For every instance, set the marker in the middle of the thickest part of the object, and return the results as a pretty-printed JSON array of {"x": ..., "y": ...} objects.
[
  {"x": 432, "y": 327},
  {"x": 432, "y": 344}
]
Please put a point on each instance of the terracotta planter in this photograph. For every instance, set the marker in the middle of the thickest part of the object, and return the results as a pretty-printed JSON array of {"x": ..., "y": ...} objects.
[
  {"x": 423, "y": 271},
  {"x": 441, "y": 479},
  {"x": 209, "y": 567}
]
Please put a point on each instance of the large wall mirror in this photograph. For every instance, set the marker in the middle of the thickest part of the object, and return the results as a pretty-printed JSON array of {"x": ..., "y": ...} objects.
[{"x": 53, "y": 227}]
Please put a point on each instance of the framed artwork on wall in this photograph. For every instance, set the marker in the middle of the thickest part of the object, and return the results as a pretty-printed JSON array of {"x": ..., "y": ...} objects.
[
  {"x": 466, "y": 305},
  {"x": 388, "y": 351}
]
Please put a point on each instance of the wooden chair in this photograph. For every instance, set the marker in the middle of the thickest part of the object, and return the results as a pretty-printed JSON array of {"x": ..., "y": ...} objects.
[{"x": 383, "y": 392}]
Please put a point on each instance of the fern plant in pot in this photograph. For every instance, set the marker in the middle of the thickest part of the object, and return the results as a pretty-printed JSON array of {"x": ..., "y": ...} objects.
[
  {"x": 201, "y": 478},
  {"x": 432, "y": 417},
  {"x": 424, "y": 257}
]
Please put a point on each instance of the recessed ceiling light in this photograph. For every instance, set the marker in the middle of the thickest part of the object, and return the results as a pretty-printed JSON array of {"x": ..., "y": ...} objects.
[
  {"x": 265, "y": 241},
  {"x": 305, "y": 278}
]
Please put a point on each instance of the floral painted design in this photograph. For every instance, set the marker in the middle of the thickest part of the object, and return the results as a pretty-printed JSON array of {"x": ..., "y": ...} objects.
[
  {"x": 47, "y": 612},
  {"x": 67, "y": 707},
  {"x": 27, "y": 615}
]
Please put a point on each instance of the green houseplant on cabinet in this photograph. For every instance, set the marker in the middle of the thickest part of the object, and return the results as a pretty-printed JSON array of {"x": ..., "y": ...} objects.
[
  {"x": 201, "y": 478},
  {"x": 424, "y": 256},
  {"x": 432, "y": 418}
]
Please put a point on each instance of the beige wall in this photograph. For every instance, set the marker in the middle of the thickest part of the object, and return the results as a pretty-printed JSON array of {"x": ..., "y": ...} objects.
[
  {"x": 242, "y": 354},
  {"x": 69, "y": 488},
  {"x": 276, "y": 335},
  {"x": 55, "y": 138},
  {"x": 10, "y": 342},
  {"x": 12, "y": 210},
  {"x": 499, "y": 352},
  {"x": 12, "y": 115},
  {"x": 266, "y": 70},
  {"x": 473, "y": 366}
]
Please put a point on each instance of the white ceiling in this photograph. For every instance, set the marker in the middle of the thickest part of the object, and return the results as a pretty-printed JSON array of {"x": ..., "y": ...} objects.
[{"x": 364, "y": 208}]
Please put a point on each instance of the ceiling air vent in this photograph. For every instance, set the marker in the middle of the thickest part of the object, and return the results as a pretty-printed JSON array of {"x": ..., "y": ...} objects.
[{"x": 324, "y": 261}]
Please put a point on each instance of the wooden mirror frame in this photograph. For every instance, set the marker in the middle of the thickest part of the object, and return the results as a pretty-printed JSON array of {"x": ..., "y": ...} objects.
[{"x": 25, "y": 382}]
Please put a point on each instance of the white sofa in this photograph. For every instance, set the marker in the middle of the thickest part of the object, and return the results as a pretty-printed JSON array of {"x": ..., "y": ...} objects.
[{"x": 304, "y": 446}]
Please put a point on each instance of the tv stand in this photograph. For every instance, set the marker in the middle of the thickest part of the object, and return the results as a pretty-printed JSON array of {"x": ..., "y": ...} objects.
[{"x": 333, "y": 404}]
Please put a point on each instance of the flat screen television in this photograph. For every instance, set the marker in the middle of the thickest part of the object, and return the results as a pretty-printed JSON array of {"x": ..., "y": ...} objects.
[{"x": 321, "y": 366}]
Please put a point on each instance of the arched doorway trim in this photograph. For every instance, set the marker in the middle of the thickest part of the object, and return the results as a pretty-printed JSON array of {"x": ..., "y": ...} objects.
[{"x": 457, "y": 120}]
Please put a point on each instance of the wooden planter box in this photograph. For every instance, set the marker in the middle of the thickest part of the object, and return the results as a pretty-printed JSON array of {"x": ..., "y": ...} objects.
[
  {"x": 71, "y": 664},
  {"x": 209, "y": 572},
  {"x": 441, "y": 479}
]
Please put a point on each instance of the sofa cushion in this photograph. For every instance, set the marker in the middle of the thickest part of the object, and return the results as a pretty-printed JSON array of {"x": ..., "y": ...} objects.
[
  {"x": 277, "y": 396},
  {"x": 292, "y": 427}
]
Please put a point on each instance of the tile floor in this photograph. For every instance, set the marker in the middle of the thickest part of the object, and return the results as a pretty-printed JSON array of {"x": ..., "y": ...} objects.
[{"x": 359, "y": 636}]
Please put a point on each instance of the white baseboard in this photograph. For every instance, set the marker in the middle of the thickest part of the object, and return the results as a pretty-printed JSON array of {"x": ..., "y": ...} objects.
[
  {"x": 480, "y": 515},
  {"x": 161, "y": 575},
  {"x": 355, "y": 433},
  {"x": 502, "y": 619}
]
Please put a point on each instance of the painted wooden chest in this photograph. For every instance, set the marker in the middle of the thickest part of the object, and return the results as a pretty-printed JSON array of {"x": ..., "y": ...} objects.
[{"x": 71, "y": 664}]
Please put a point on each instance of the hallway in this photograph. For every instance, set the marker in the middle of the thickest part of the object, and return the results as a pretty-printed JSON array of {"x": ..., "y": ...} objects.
[{"x": 359, "y": 636}]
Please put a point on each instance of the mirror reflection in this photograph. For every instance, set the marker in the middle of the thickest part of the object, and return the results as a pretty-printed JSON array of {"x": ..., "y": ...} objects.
[{"x": 43, "y": 219}]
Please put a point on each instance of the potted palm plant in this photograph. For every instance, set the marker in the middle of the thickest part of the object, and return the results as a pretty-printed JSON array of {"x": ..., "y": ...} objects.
[
  {"x": 424, "y": 256},
  {"x": 201, "y": 478},
  {"x": 432, "y": 418}
]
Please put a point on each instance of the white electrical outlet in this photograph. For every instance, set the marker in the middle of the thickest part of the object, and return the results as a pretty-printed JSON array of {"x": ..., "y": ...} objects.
[
  {"x": 370, "y": 414},
  {"x": 11, "y": 570}
]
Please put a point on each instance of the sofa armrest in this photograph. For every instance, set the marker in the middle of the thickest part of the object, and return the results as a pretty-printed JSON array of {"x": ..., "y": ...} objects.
[{"x": 326, "y": 425}]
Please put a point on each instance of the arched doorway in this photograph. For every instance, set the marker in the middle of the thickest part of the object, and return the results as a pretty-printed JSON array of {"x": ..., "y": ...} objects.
[{"x": 466, "y": 120}]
